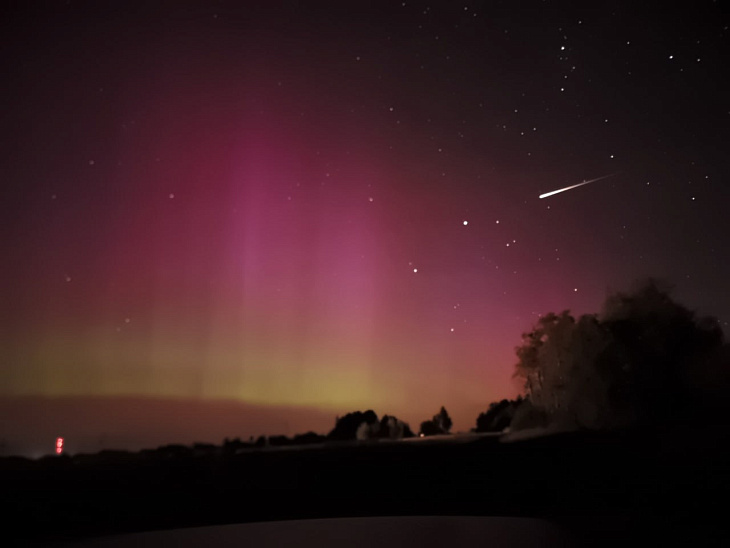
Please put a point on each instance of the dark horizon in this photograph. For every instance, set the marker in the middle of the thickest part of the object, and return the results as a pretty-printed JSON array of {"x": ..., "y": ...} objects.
[
  {"x": 29, "y": 425},
  {"x": 88, "y": 424}
]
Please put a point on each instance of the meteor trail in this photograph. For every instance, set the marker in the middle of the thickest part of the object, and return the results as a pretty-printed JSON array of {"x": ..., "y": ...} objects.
[{"x": 574, "y": 186}]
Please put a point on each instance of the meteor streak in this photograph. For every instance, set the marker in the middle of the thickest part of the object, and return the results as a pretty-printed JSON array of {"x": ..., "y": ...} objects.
[{"x": 574, "y": 186}]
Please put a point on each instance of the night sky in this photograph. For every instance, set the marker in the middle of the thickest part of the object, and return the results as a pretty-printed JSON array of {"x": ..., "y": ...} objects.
[{"x": 335, "y": 207}]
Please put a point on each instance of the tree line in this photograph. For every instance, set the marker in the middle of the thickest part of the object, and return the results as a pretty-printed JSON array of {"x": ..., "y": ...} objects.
[{"x": 643, "y": 361}]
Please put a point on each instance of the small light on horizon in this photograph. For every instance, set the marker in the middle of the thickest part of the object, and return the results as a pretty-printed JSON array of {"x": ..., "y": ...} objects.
[{"x": 59, "y": 446}]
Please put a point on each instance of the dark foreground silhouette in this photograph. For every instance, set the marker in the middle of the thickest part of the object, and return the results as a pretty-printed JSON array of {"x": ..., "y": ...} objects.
[{"x": 603, "y": 487}]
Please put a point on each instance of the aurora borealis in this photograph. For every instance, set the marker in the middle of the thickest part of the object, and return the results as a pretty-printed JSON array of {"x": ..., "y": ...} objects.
[{"x": 336, "y": 207}]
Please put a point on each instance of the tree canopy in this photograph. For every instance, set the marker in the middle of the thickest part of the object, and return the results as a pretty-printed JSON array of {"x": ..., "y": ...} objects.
[{"x": 643, "y": 360}]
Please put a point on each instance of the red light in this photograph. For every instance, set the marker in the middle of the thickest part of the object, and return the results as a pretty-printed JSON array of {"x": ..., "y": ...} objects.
[{"x": 59, "y": 446}]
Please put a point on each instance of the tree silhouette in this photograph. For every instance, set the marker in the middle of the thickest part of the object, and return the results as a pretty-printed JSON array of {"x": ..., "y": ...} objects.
[
  {"x": 440, "y": 424},
  {"x": 499, "y": 415},
  {"x": 641, "y": 361},
  {"x": 443, "y": 420},
  {"x": 393, "y": 428},
  {"x": 346, "y": 427},
  {"x": 430, "y": 428}
]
